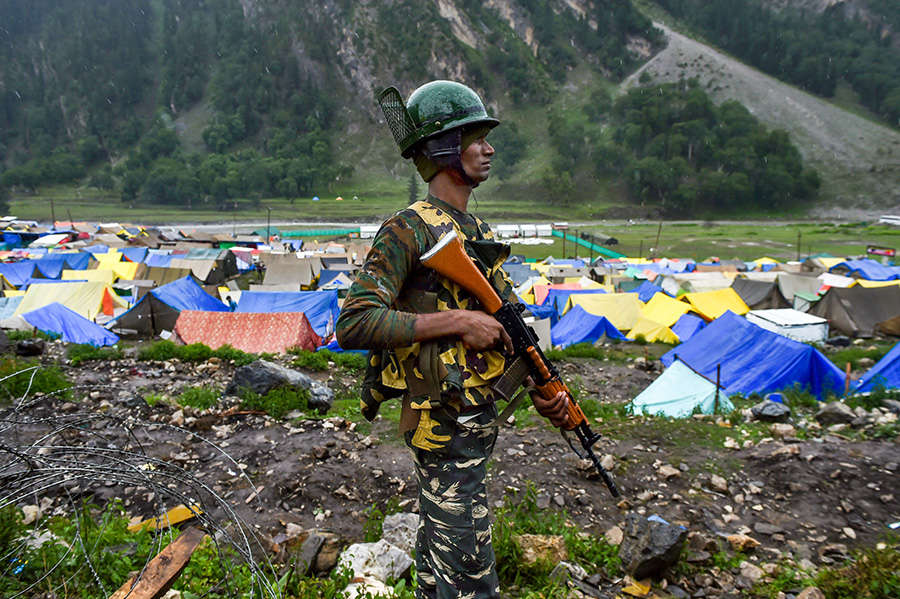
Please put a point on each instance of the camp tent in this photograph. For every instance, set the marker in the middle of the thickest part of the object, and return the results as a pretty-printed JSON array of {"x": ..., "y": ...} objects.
[
  {"x": 100, "y": 276},
  {"x": 754, "y": 360},
  {"x": 321, "y": 307},
  {"x": 792, "y": 324},
  {"x": 664, "y": 310},
  {"x": 86, "y": 298},
  {"x": 652, "y": 331},
  {"x": 856, "y": 311},
  {"x": 580, "y": 326},
  {"x": 790, "y": 284},
  {"x": 158, "y": 310},
  {"x": 274, "y": 332},
  {"x": 621, "y": 309},
  {"x": 866, "y": 269},
  {"x": 72, "y": 327},
  {"x": 677, "y": 392},
  {"x": 687, "y": 326},
  {"x": 162, "y": 275},
  {"x": 885, "y": 373},
  {"x": 290, "y": 271},
  {"x": 759, "y": 295},
  {"x": 712, "y": 304}
]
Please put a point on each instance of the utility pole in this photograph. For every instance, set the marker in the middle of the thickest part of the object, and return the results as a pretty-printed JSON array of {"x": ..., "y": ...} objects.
[
  {"x": 798, "y": 245},
  {"x": 656, "y": 245},
  {"x": 71, "y": 222},
  {"x": 268, "y": 221},
  {"x": 52, "y": 214}
]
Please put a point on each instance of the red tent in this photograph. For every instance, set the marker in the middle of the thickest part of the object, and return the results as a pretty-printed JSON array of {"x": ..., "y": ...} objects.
[{"x": 252, "y": 332}]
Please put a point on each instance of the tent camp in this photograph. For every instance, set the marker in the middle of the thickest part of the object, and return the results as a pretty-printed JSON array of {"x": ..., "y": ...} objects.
[
  {"x": 790, "y": 284},
  {"x": 885, "y": 373},
  {"x": 158, "y": 310},
  {"x": 621, "y": 309},
  {"x": 580, "y": 326},
  {"x": 754, "y": 360},
  {"x": 866, "y": 269},
  {"x": 162, "y": 275},
  {"x": 70, "y": 326},
  {"x": 321, "y": 307},
  {"x": 759, "y": 295},
  {"x": 652, "y": 331},
  {"x": 856, "y": 311},
  {"x": 274, "y": 332},
  {"x": 677, "y": 392},
  {"x": 86, "y": 298},
  {"x": 792, "y": 324},
  {"x": 664, "y": 310}
]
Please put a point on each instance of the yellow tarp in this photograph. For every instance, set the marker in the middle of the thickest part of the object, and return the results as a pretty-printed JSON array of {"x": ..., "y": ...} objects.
[
  {"x": 653, "y": 331},
  {"x": 713, "y": 304},
  {"x": 96, "y": 275},
  {"x": 829, "y": 262},
  {"x": 621, "y": 309},
  {"x": 126, "y": 270},
  {"x": 664, "y": 310},
  {"x": 13, "y": 293},
  {"x": 867, "y": 283},
  {"x": 765, "y": 260},
  {"x": 85, "y": 298}
]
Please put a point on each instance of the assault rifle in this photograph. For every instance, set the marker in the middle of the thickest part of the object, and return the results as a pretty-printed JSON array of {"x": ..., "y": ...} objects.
[{"x": 449, "y": 258}]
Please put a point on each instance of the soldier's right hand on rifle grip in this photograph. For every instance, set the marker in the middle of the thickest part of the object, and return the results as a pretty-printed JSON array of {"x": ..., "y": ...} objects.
[
  {"x": 480, "y": 331},
  {"x": 555, "y": 409}
]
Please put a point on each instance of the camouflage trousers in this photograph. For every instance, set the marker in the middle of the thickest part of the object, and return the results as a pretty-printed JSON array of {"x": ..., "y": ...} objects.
[{"x": 454, "y": 555}]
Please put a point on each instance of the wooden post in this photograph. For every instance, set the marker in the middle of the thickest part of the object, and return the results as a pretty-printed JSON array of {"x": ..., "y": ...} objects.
[
  {"x": 798, "y": 245},
  {"x": 847, "y": 379},
  {"x": 718, "y": 379},
  {"x": 641, "y": 250},
  {"x": 656, "y": 245},
  {"x": 52, "y": 214},
  {"x": 564, "y": 242},
  {"x": 163, "y": 569}
]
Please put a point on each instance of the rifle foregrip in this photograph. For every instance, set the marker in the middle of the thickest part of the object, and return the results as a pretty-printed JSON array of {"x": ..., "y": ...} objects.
[{"x": 576, "y": 415}]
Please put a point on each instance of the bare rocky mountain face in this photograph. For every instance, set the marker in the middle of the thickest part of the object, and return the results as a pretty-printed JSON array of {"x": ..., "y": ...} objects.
[{"x": 845, "y": 148}]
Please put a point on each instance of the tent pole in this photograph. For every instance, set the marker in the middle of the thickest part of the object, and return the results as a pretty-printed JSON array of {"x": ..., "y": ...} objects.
[
  {"x": 847, "y": 379},
  {"x": 718, "y": 379}
]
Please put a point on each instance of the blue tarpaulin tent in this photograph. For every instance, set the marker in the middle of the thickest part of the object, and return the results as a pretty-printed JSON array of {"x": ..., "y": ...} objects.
[
  {"x": 159, "y": 260},
  {"x": 186, "y": 294},
  {"x": 754, "y": 360},
  {"x": 321, "y": 307},
  {"x": 8, "y": 306},
  {"x": 646, "y": 290},
  {"x": 558, "y": 298},
  {"x": 885, "y": 373},
  {"x": 72, "y": 327},
  {"x": 867, "y": 269},
  {"x": 677, "y": 392},
  {"x": 97, "y": 249},
  {"x": 579, "y": 326},
  {"x": 687, "y": 326},
  {"x": 17, "y": 272},
  {"x": 52, "y": 265},
  {"x": 134, "y": 254},
  {"x": 336, "y": 348},
  {"x": 545, "y": 311}
]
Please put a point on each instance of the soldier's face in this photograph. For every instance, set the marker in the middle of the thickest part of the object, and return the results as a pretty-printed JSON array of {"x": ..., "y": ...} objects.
[{"x": 476, "y": 159}]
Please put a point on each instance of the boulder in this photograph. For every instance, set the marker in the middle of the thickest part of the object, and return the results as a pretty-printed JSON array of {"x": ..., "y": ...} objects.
[
  {"x": 835, "y": 412},
  {"x": 400, "y": 531},
  {"x": 380, "y": 560},
  {"x": 811, "y": 593},
  {"x": 650, "y": 546},
  {"x": 30, "y": 347},
  {"x": 262, "y": 376},
  {"x": 365, "y": 587},
  {"x": 771, "y": 411},
  {"x": 891, "y": 404}
]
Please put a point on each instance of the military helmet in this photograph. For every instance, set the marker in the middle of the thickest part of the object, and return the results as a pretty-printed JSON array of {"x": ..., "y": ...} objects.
[{"x": 432, "y": 109}]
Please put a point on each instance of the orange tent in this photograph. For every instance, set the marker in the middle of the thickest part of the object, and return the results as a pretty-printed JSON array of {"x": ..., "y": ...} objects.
[{"x": 252, "y": 332}]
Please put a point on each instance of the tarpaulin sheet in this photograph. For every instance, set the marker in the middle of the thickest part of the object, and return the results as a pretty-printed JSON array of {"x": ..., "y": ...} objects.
[
  {"x": 51, "y": 266},
  {"x": 71, "y": 326},
  {"x": 163, "y": 260},
  {"x": 754, "y": 360},
  {"x": 558, "y": 299},
  {"x": 185, "y": 294},
  {"x": 665, "y": 310},
  {"x": 885, "y": 373},
  {"x": 712, "y": 304},
  {"x": 100, "y": 276},
  {"x": 17, "y": 272},
  {"x": 759, "y": 295},
  {"x": 866, "y": 269},
  {"x": 856, "y": 311},
  {"x": 579, "y": 326},
  {"x": 541, "y": 291},
  {"x": 134, "y": 254},
  {"x": 97, "y": 249},
  {"x": 621, "y": 309},
  {"x": 87, "y": 298},
  {"x": 677, "y": 392},
  {"x": 687, "y": 326},
  {"x": 8, "y": 306},
  {"x": 320, "y": 307},
  {"x": 646, "y": 290},
  {"x": 254, "y": 332},
  {"x": 541, "y": 312},
  {"x": 652, "y": 332}
]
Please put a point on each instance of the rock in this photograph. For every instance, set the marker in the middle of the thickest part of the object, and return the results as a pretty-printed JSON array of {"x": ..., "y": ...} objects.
[
  {"x": 698, "y": 541},
  {"x": 849, "y": 532},
  {"x": 262, "y": 376},
  {"x": 535, "y": 548},
  {"x": 718, "y": 483},
  {"x": 741, "y": 542},
  {"x": 835, "y": 412},
  {"x": 730, "y": 443},
  {"x": 400, "y": 530},
  {"x": 666, "y": 471},
  {"x": 614, "y": 535},
  {"x": 891, "y": 404},
  {"x": 836, "y": 551},
  {"x": 608, "y": 461},
  {"x": 363, "y": 587},
  {"x": 783, "y": 431},
  {"x": 329, "y": 553},
  {"x": 811, "y": 593},
  {"x": 309, "y": 552},
  {"x": 771, "y": 411},
  {"x": 30, "y": 347},
  {"x": 764, "y": 528},
  {"x": 650, "y": 546},
  {"x": 751, "y": 572},
  {"x": 31, "y": 514},
  {"x": 177, "y": 418},
  {"x": 380, "y": 560}
]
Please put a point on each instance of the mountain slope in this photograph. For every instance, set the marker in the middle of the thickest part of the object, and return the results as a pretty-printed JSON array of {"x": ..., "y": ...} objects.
[{"x": 858, "y": 160}]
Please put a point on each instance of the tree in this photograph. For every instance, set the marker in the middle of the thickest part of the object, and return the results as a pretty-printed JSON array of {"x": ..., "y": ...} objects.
[
  {"x": 412, "y": 188},
  {"x": 4, "y": 200}
]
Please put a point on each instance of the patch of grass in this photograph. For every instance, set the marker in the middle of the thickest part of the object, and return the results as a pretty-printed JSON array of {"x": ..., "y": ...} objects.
[
  {"x": 310, "y": 360},
  {"x": 277, "y": 402},
  {"x": 161, "y": 351},
  {"x": 875, "y": 399},
  {"x": 200, "y": 398},
  {"x": 318, "y": 360},
  {"x": 373, "y": 527},
  {"x": 154, "y": 398},
  {"x": 799, "y": 397},
  {"x": 30, "y": 377},
  {"x": 871, "y": 574},
  {"x": 854, "y": 354},
  {"x": 14, "y": 336},
  {"x": 78, "y": 353}
]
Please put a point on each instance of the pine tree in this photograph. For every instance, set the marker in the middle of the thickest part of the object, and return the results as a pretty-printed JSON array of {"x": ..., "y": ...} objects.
[{"x": 413, "y": 188}]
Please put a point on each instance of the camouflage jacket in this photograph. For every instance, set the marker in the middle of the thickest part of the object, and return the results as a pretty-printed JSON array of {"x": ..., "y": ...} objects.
[{"x": 380, "y": 309}]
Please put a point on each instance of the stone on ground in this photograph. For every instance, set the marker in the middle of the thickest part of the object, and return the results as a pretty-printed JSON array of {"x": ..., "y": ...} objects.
[
  {"x": 771, "y": 411},
  {"x": 262, "y": 376},
  {"x": 650, "y": 546}
]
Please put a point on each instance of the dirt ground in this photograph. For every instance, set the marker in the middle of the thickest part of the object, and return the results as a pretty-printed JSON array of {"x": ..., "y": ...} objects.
[{"x": 812, "y": 499}]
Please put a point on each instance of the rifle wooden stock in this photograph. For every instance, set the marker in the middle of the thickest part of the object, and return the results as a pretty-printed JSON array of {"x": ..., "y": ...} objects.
[{"x": 449, "y": 258}]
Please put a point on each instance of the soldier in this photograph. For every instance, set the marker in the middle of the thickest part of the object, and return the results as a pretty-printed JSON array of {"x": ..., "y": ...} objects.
[{"x": 431, "y": 344}]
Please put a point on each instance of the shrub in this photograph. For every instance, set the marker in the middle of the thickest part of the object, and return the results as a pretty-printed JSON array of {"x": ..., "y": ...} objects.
[
  {"x": 29, "y": 377},
  {"x": 277, "y": 402},
  {"x": 373, "y": 527},
  {"x": 14, "y": 336},
  {"x": 311, "y": 360},
  {"x": 195, "y": 352},
  {"x": 200, "y": 398},
  {"x": 872, "y": 574},
  {"x": 154, "y": 398},
  {"x": 79, "y": 353}
]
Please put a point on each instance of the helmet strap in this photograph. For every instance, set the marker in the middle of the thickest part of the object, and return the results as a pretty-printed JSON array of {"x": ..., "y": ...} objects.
[{"x": 445, "y": 151}]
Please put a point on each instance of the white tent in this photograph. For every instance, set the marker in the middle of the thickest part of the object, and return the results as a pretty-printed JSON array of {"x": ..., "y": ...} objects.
[{"x": 792, "y": 324}]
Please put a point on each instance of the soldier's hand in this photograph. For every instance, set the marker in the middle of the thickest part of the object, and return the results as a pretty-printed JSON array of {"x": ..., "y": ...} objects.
[
  {"x": 480, "y": 331},
  {"x": 554, "y": 409}
]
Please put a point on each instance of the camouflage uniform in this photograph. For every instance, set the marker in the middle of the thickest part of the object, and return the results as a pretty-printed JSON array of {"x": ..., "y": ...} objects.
[{"x": 448, "y": 403}]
